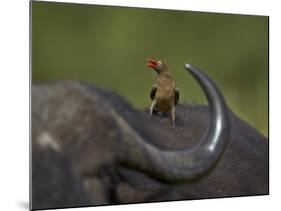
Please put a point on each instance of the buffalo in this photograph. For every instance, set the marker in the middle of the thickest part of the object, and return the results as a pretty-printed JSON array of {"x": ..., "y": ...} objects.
[{"x": 91, "y": 147}]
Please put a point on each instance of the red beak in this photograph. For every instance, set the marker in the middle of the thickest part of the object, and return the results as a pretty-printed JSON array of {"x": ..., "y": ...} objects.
[{"x": 152, "y": 63}]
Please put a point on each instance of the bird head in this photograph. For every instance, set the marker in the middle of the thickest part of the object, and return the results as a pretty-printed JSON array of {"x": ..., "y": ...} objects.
[{"x": 157, "y": 65}]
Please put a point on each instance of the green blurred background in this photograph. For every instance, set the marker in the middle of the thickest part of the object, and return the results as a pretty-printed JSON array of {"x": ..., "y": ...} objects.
[{"x": 108, "y": 46}]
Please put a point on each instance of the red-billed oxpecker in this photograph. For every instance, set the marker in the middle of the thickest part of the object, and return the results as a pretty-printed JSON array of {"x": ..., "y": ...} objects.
[{"x": 164, "y": 93}]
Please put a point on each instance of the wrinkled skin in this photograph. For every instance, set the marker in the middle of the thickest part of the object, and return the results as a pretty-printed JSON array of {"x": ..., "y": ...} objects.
[{"x": 83, "y": 146}]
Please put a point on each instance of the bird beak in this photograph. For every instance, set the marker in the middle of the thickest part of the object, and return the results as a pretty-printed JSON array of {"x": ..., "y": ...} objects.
[{"x": 151, "y": 63}]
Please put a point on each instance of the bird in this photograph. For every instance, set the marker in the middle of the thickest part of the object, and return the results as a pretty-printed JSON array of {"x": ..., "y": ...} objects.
[{"x": 164, "y": 93}]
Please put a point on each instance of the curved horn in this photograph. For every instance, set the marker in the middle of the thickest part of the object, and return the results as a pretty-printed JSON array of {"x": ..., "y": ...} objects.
[{"x": 182, "y": 165}]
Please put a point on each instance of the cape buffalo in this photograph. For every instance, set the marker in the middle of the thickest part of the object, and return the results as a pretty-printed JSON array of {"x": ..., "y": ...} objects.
[{"x": 91, "y": 147}]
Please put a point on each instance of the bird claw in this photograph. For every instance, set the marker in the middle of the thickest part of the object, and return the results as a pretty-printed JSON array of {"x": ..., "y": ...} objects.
[
  {"x": 150, "y": 113},
  {"x": 174, "y": 124}
]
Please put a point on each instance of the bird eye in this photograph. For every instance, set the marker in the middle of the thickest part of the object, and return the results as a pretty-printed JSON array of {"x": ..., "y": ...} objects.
[{"x": 159, "y": 62}]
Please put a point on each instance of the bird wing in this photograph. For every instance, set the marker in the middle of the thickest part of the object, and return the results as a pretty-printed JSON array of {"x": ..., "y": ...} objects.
[
  {"x": 153, "y": 91},
  {"x": 177, "y": 95}
]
